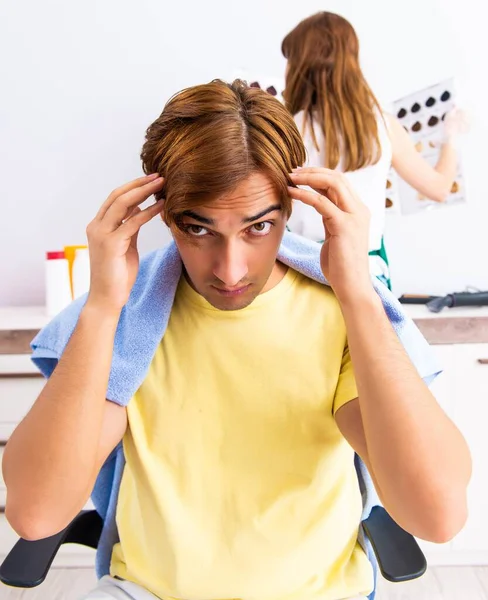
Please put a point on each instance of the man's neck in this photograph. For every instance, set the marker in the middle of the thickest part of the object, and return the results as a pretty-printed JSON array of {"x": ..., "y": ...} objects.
[{"x": 277, "y": 274}]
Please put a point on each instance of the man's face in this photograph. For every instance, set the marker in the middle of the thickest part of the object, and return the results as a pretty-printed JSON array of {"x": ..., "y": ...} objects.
[{"x": 229, "y": 245}]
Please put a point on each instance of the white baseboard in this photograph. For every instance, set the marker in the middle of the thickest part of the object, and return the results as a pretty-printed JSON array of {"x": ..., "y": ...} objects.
[{"x": 457, "y": 559}]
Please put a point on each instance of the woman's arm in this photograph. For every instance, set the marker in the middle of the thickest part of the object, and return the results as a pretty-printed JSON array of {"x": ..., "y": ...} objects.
[{"x": 433, "y": 182}]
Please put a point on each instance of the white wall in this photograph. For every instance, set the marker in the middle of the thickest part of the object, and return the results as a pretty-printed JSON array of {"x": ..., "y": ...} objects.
[{"x": 81, "y": 80}]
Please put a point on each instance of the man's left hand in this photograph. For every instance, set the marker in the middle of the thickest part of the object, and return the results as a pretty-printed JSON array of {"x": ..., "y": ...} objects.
[{"x": 344, "y": 257}]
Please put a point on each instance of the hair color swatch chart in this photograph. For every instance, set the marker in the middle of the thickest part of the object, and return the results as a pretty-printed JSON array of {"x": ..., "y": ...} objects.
[
  {"x": 268, "y": 83},
  {"x": 422, "y": 115}
]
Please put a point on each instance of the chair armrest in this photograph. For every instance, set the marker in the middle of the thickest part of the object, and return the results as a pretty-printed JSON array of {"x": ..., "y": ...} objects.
[
  {"x": 28, "y": 563},
  {"x": 399, "y": 556}
]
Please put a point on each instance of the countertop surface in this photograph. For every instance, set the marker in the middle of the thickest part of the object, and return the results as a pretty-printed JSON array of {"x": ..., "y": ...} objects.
[
  {"x": 18, "y": 325},
  {"x": 420, "y": 312},
  {"x": 22, "y": 317},
  {"x": 35, "y": 317}
]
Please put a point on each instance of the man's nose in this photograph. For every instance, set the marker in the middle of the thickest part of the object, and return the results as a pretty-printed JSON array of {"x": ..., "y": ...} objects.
[{"x": 231, "y": 264}]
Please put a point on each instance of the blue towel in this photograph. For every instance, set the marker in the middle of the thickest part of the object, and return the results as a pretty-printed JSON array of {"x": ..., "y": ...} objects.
[{"x": 141, "y": 327}]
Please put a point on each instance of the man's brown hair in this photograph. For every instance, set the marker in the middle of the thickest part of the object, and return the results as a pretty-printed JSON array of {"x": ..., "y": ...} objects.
[{"x": 211, "y": 137}]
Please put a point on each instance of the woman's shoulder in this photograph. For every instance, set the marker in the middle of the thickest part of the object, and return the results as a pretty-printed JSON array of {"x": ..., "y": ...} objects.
[
  {"x": 386, "y": 116},
  {"x": 299, "y": 118},
  {"x": 385, "y": 122}
]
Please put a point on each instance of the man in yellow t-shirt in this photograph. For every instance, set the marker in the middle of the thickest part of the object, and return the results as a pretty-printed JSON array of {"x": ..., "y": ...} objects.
[
  {"x": 239, "y": 480},
  {"x": 236, "y": 468}
]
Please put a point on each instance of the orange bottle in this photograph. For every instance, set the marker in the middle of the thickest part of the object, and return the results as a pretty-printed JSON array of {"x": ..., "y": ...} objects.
[{"x": 69, "y": 253}]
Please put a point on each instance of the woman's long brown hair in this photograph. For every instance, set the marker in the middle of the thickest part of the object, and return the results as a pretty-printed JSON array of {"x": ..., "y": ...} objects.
[{"x": 325, "y": 81}]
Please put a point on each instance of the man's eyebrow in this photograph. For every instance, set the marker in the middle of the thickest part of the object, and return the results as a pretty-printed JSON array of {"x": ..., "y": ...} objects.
[
  {"x": 262, "y": 213},
  {"x": 197, "y": 217},
  {"x": 207, "y": 221}
]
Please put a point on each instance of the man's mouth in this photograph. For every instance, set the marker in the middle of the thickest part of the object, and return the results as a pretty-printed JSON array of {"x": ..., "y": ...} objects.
[{"x": 231, "y": 292}]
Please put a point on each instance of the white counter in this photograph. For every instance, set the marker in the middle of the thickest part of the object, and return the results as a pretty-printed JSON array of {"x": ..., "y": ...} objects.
[
  {"x": 15, "y": 318},
  {"x": 450, "y": 326},
  {"x": 34, "y": 317}
]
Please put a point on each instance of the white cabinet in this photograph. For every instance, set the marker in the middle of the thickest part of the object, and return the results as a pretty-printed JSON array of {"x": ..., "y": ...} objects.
[
  {"x": 470, "y": 388},
  {"x": 462, "y": 391},
  {"x": 19, "y": 387},
  {"x": 442, "y": 390}
]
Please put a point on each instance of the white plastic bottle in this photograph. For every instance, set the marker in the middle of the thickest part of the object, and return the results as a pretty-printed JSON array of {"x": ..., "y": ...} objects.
[
  {"x": 81, "y": 272},
  {"x": 58, "y": 289}
]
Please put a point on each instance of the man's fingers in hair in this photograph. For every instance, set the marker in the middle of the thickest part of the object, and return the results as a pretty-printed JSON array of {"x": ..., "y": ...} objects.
[
  {"x": 323, "y": 205},
  {"x": 122, "y": 206},
  {"x": 135, "y": 183},
  {"x": 139, "y": 218},
  {"x": 330, "y": 183}
]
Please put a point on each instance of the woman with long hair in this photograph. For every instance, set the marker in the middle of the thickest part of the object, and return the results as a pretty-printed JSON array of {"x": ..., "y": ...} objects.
[{"x": 344, "y": 128}]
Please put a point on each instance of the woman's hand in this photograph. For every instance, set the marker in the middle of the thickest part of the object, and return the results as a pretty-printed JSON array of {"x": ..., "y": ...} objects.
[{"x": 455, "y": 124}]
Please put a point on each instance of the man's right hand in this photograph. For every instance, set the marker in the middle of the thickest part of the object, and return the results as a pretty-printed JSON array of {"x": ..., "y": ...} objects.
[
  {"x": 112, "y": 242},
  {"x": 71, "y": 420}
]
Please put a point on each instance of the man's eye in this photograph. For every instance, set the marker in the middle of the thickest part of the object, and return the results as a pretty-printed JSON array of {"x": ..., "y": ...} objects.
[
  {"x": 262, "y": 228},
  {"x": 196, "y": 230}
]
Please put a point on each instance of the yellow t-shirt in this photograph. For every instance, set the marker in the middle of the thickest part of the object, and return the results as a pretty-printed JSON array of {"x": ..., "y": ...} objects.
[{"x": 238, "y": 482}]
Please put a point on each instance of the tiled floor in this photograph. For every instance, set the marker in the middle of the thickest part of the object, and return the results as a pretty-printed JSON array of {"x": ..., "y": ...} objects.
[
  {"x": 441, "y": 583},
  {"x": 447, "y": 583}
]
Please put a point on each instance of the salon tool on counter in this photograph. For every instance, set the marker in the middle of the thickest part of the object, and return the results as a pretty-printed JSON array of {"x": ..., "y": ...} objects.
[
  {"x": 458, "y": 299},
  {"x": 415, "y": 298}
]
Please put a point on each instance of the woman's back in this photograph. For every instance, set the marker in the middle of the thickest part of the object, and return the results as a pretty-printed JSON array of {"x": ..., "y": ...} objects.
[
  {"x": 325, "y": 86},
  {"x": 338, "y": 115},
  {"x": 370, "y": 180}
]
